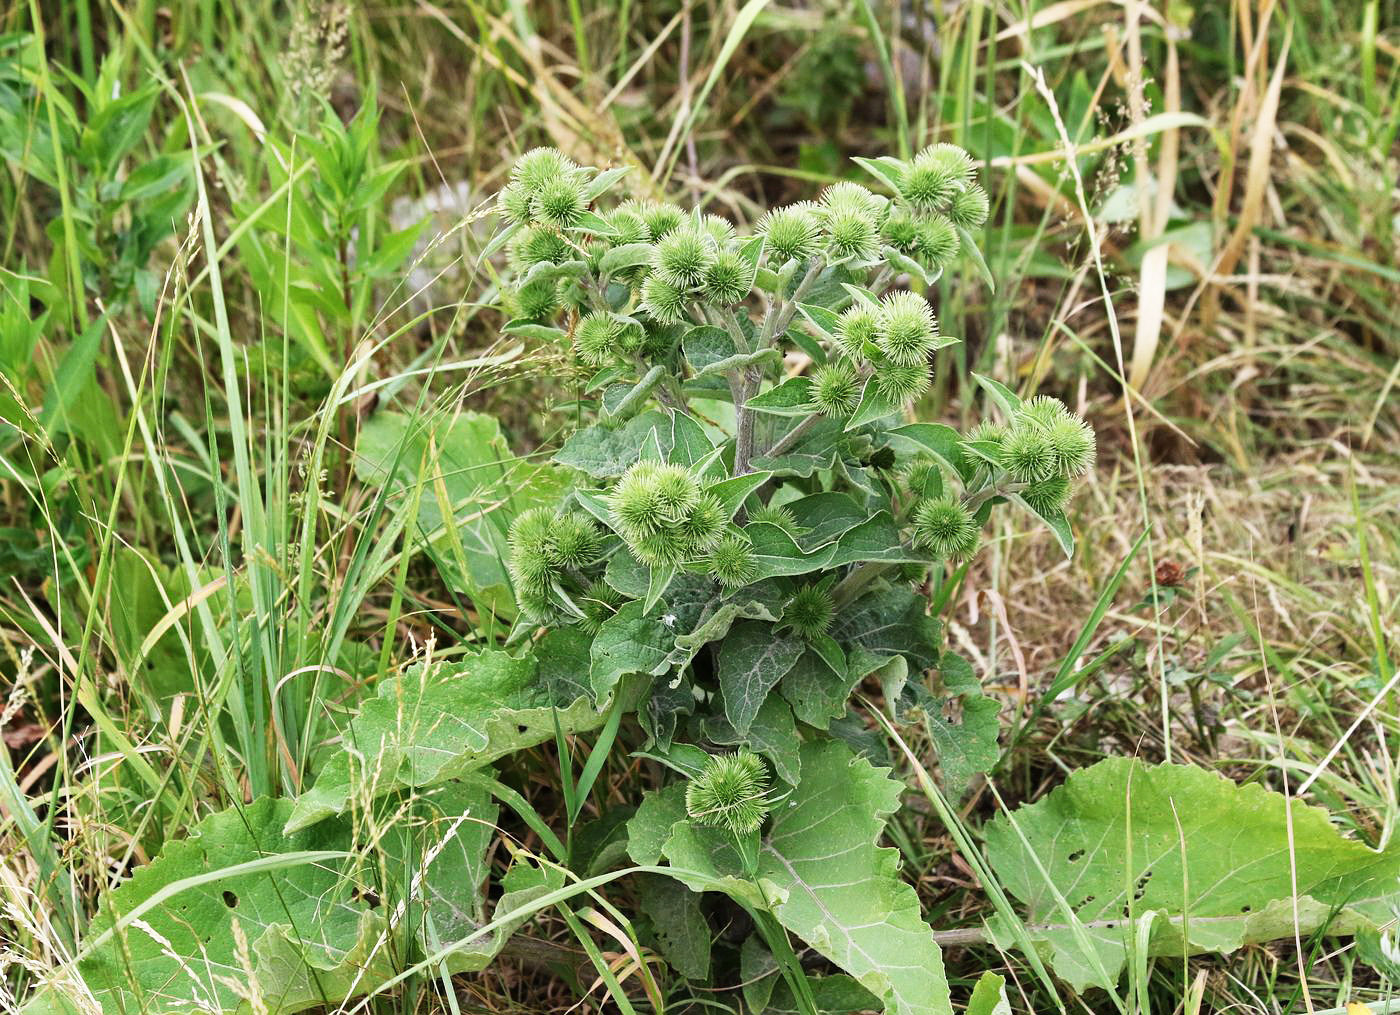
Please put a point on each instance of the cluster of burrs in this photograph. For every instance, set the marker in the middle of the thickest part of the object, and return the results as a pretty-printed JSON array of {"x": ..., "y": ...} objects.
[
  {"x": 668, "y": 520},
  {"x": 631, "y": 273},
  {"x": 887, "y": 343},
  {"x": 555, "y": 557},
  {"x": 1041, "y": 452}
]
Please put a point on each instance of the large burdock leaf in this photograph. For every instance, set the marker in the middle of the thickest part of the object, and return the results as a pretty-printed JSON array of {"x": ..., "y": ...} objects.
[
  {"x": 440, "y": 722},
  {"x": 1210, "y": 864},
  {"x": 241, "y": 917},
  {"x": 823, "y": 875},
  {"x": 459, "y": 470}
]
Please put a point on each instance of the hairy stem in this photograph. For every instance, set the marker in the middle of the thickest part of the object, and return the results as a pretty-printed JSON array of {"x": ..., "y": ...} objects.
[{"x": 744, "y": 388}]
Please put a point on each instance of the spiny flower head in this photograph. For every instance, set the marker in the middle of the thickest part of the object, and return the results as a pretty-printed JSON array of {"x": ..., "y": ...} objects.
[
  {"x": 907, "y": 329},
  {"x": 539, "y": 166},
  {"x": 855, "y": 329},
  {"x": 969, "y": 208},
  {"x": 664, "y": 301},
  {"x": 1047, "y": 495},
  {"x": 538, "y": 245},
  {"x": 937, "y": 243},
  {"x": 1072, "y": 446},
  {"x": 703, "y": 525},
  {"x": 852, "y": 197},
  {"x": 731, "y": 792},
  {"x": 596, "y": 338},
  {"x": 662, "y": 514},
  {"x": 1047, "y": 439},
  {"x": 789, "y": 233},
  {"x": 632, "y": 337},
  {"x": 544, "y": 543},
  {"x": 901, "y": 383},
  {"x": 721, "y": 230},
  {"x": 627, "y": 227},
  {"x": 945, "y": 528},
  {"x": 559, "y": 202},
  {"x": 987, "y": 430},
  {"x": 676, "y": 490},
  {"x": 661, "y": 548},
  {"x": 775, "y": 514},
  {"x": 1045, "y": 410},
  {"x": 728, "y": 279},
  {"x": 835, "y": 390},
  {"x": 921, "y": 475},
  {"x": 901, "y": 231},
  {"x": 661, "y": 218},
  {"x": 599, "y": 602},
  {"x": 536, "y": 300},
  {"x": 514, "y": 202},
  {"x": 935, "y": 175},
  {"x": 732, "y": 562},
  {"x": 635, "y": 504},
  {"x": 851, "y": 216},
  {"x": 683, "y": 256},
  {"x": 575, "y": 541},
  {"x": 1026, "y": 453},
  {"x": 809, "y": 612}
]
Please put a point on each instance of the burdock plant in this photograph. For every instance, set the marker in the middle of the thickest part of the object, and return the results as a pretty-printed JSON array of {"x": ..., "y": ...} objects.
[{"x": 757, "y": 524}]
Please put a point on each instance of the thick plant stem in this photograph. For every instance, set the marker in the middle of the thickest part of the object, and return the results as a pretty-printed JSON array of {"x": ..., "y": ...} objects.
[
  {"x": 855, "y": 583},
  {"x": 779, "y": 319},
  {"x": 745, "y": 388},
  {"x": 790, "y": 439}
]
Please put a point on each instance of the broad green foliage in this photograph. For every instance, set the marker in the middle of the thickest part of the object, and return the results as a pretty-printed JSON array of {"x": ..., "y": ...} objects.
[
  {"x": 441, "y": 721},
  {"x": 461, "y": 469},
  {"x": 822, "y": 873},
  {"x": 1207, "y": 865},
  {"x": 241, "y": 914}
]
